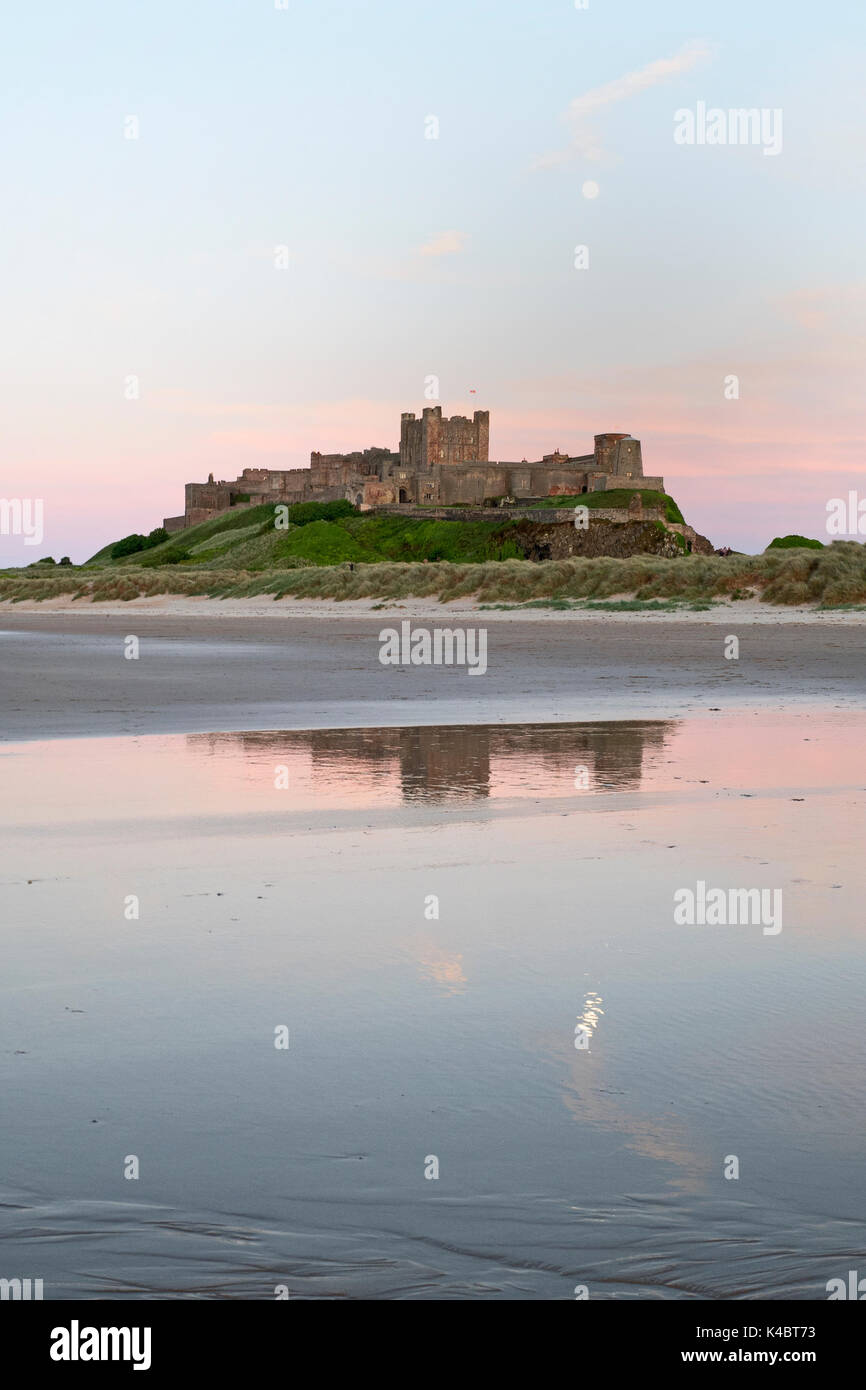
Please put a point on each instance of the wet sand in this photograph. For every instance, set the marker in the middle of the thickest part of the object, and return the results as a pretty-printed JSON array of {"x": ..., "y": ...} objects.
[
  {"x": 205, "y": 666},
  {"x": 411, "y": 1036},
  {"x": 279, "y": 808}
]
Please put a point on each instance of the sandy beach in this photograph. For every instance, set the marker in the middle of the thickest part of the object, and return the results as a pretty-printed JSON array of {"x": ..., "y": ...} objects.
[
  {"x": 255, "y": 664},
  {"x": 750, "y": 611}
]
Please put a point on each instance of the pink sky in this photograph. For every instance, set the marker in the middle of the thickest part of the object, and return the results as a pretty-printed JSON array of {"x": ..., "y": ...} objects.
[{"x": 743, "y": 470}]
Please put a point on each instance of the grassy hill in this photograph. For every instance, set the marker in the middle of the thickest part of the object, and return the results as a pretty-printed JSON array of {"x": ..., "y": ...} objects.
[
  {"x": 332, "y": 533},
  {"x": 328, "y": 533}
]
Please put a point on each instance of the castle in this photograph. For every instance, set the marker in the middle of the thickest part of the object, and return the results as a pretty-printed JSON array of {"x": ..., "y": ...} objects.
[{"x": 440, "y": 462}]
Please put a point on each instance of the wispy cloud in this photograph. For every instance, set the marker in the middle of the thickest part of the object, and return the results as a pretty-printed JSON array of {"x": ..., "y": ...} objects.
[
  {"x": 445, "y": 244},
  {"x": 584, "y": 140}
]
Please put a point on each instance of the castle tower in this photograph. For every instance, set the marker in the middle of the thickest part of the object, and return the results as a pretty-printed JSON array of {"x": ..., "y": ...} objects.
[
  {"x": 431, "y": 437},
  {"x": 410, "y": 440},
  {"x": 618, "y": 454},
  {"x": 481, "y": 420}
]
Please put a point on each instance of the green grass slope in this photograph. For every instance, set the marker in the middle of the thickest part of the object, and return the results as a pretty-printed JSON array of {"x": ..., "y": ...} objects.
[
  {"x": 218, "y": 533},
  {"x": 332, "y": 533},
  {"x": 249, "y": 539}
]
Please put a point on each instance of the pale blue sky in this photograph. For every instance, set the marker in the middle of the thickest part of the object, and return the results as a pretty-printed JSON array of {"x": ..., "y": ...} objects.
[{"x": 305, "y": 127}]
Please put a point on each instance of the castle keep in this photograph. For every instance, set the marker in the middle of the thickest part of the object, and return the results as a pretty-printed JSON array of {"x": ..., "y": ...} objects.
[{"x": 441, "y": 462}]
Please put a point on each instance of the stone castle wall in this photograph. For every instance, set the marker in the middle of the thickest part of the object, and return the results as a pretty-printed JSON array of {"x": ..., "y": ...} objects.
[
  {"x": 440, "y": 460},
  {"x": 551, "y": 516}
]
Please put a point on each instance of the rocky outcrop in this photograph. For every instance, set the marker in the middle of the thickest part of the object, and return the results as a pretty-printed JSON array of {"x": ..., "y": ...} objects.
[{"x": 619, "y": 539}]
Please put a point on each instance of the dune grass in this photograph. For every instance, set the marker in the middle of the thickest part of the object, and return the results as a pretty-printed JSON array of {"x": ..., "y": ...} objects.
[
  {"x": 832, "y": 577},
  {"x": 589, "y": 605}
]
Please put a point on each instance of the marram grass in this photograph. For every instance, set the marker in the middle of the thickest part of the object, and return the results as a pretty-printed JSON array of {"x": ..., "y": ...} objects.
[{"x": 834, "y": 576}]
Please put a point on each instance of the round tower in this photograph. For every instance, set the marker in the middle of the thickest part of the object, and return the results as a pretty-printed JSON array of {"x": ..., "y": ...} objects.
[{"x": 606, "y": 451}]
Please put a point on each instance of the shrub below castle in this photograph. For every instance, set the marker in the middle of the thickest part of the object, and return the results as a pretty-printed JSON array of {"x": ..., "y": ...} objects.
[{"x": 131, "y": 545}]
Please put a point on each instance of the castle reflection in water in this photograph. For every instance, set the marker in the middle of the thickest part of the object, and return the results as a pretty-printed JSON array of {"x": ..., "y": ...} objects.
[{"x": 442, "y": 763}]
